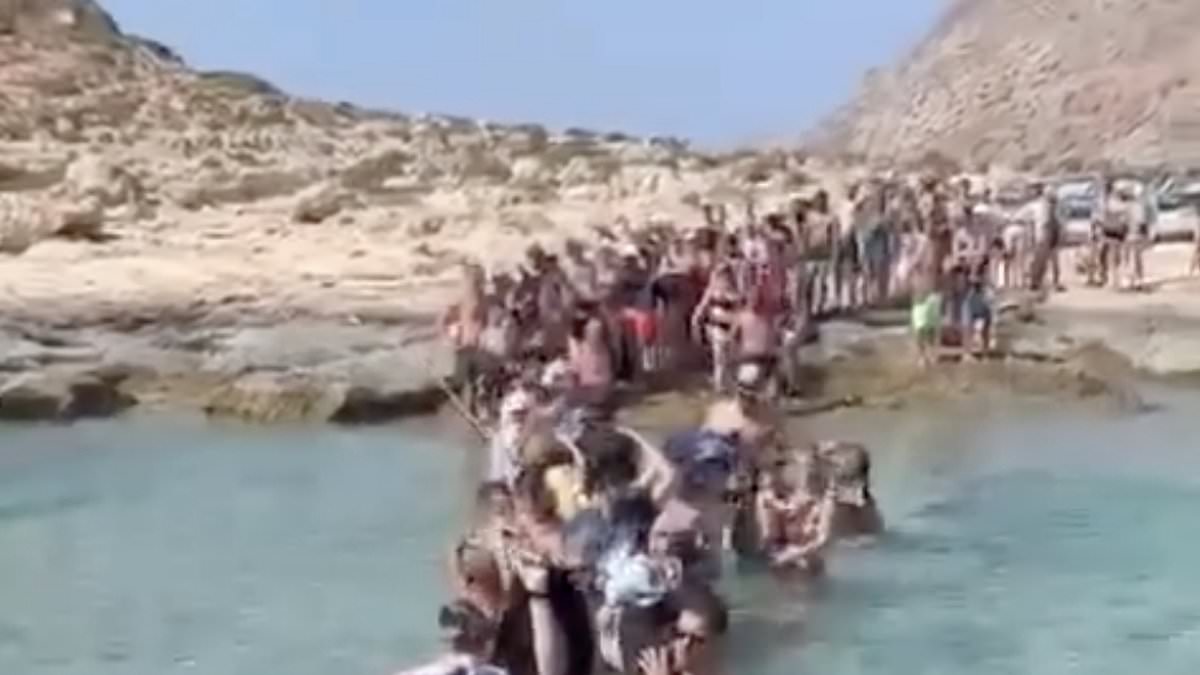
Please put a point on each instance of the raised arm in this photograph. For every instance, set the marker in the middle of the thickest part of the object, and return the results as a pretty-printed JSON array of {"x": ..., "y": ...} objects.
[
  {"x": 657, "y": 475},
  {"x": 549, "y": 640}
]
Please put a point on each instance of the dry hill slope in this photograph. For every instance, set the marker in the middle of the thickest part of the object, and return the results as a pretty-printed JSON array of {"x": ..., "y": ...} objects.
[
  {"x": 1038, "y": 82},
  {"x": 110, "y": 136}
]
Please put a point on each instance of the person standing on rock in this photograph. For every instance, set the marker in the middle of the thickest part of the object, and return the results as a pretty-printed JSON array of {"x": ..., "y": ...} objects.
[
  {"x": 590, "y": 354},
  {"x": 875, "y": 245},
  {"x": 1043, "y": 222},
  {"x": 822, "y": 227},
  {"x": 1114, "y": 231},
  {"x": 1054, "y": 239},
  {"x": 757, "y": 332},
  {"x": 464, "y": 323},
  {"x": 845, "y": 260},
  {"x": 1140, "y": 218},
  {"x": 581, "y": 272}
]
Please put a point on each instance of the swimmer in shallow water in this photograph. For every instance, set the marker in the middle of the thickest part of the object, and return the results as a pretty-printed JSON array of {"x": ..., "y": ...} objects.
[{"x": 848, "y": 467}]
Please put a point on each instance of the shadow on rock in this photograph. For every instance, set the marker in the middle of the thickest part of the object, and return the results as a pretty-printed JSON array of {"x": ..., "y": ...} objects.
[{"x": 63, "y": 395}]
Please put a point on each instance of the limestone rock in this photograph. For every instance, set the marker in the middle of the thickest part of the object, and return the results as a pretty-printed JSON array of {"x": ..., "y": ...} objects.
[
  {"x": 97, "y": 177},
  {"x": 270, "y": 397},
  {"x": 320, "y": 203},
  {"x": 366, "y": 405},
  {"x": 41, "y": 18},
  {"x": 83, "y": 219},
  {"x": 1035, "y": 83},
  {"x": 62, "y": 395},
  {"x": 20, "y": 174},
  {"x": 23, "y": 222}
]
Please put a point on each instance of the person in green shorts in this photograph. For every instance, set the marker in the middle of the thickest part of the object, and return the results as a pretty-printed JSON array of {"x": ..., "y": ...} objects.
[{"x": 926, "y": 324}]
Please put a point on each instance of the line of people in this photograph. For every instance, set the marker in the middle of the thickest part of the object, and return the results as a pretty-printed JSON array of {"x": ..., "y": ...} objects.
[
  {"x": 594, "y": 549},
  {"x": 664, "y": 302}
]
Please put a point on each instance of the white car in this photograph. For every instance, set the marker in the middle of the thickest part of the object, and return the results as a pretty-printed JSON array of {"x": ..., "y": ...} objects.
[
  {"x": 1077, "y": 202},
  {"x": 1176, "y": 215}
]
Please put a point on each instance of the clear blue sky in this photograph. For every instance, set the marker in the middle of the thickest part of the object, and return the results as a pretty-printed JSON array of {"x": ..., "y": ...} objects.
[{"x": 719, "y": 72}]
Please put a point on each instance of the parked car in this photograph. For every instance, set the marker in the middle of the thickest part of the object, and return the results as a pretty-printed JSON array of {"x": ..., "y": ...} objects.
[
  {"x": 1176, "y": 201},
  {"x": 1078, "y": 202}
]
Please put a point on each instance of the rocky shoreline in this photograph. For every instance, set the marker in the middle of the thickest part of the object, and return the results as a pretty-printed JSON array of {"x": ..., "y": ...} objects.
[{"x": 350, "y": 370}]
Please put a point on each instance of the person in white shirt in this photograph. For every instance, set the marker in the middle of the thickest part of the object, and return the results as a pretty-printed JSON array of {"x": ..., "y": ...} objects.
[{"x": 1139, "y": 237}]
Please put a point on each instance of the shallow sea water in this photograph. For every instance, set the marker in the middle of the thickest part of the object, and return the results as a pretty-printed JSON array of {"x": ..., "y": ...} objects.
[{"x": 1031, "y": 539}]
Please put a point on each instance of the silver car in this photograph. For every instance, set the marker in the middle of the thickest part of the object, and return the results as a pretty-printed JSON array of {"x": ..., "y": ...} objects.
[{"x": 1176, "y": 203}]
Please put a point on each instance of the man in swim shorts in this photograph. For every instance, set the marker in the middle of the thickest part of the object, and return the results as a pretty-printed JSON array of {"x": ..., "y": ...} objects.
[{"x": 926, "y": 316}]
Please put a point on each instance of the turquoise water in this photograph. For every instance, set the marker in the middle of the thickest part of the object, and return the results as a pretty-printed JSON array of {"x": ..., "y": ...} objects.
[{"x": 1038, "y": 539}]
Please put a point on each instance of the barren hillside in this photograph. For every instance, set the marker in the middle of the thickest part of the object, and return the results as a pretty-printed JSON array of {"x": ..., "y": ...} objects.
[
  {"x": 1038, "y": 82},
  {"x": 189, "y": 182}
]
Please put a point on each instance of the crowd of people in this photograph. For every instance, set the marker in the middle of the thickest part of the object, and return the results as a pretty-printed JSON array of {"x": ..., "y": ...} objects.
[
  {"x": 595, "y": 549},
  {"x": 664, "y": 301}
]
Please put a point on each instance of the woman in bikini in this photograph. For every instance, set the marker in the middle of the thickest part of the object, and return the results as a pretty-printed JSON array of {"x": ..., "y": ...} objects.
[
  {"x": 590, "y": 354},
  {"x": 715, "y": 319}
]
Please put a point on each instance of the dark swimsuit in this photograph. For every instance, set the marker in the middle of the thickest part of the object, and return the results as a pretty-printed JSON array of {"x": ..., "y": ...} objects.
[{"x": 721, "y": 313}]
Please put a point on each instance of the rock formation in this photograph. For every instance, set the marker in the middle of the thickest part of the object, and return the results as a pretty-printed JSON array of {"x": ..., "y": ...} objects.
[
  {"x": 133, "y": 141},
  {"x": 1037, "y": 83}
]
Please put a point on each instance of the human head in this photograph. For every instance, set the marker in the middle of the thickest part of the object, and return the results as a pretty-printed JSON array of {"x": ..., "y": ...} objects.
[
  {"x": 518, "y": 405},
  {"x": 820, "y": 202},
  {"x": 502, "y": 283},
  {"x": 532, "y": 499},
  {"x": 670, "y": 542},
  {"x": 805, "y": 471},
  {"x": 541, "y": 448},
  {"x": 849, "y": 466},
  {"x": 475, "y": 571},
  {"x": 705, "y": 462},
  {"x": 751, "y": 381},
  {"x": 536, "y": 257},
  {"x": 573, "y": 248},
  {"x": 609, "y": 459},
  {"x": 700, "y": 618},
  {"x": 630, "y": 255},
  {"x": 493, "y": 502}
]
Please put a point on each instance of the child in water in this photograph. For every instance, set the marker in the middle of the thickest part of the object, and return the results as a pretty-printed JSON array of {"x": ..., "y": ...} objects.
[
  {"x": 926, "y": 324},
  {"x": 977, "y": 318}
]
